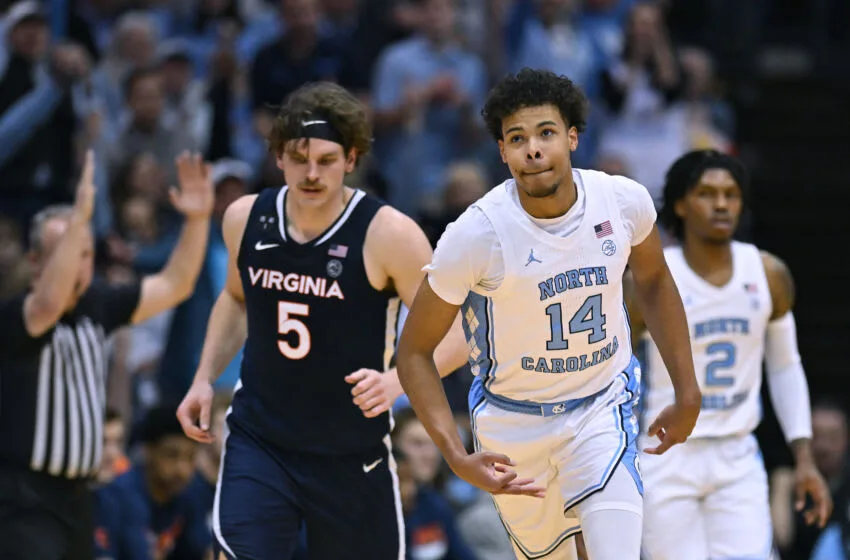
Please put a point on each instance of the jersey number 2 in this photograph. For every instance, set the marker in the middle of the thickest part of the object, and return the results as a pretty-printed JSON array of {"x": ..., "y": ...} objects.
[
  {"x": 589, "y": 317},
  {"x": 286, "y": 324},
  {"x": 726, "y": 351}
]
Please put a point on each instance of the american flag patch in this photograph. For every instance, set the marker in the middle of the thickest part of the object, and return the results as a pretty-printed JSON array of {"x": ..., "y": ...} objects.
[
  {"x": 603, "y": 229},
  {"x": 338, "y": 251}
]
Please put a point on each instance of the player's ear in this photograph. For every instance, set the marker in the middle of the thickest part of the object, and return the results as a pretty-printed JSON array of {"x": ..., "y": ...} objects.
[
  {"x": 351, "y": 160},
  {"x": 502, "y": 151},
  {"x": 572, "y": 134}
]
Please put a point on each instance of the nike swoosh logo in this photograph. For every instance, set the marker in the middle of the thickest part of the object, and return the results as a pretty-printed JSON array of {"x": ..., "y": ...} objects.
[
  {"x": 368, "y": 468},
  {"x": 260, "y": 246}
]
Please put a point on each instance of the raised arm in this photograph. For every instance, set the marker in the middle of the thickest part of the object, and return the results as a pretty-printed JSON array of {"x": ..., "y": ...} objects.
[
  {"x": 662, "y": 310},
  {"x": 227, "y": 329},
  {"x": 789, "y": 391},
  {"x": 175, "y": 282},
  {"x": 54, "y": 287}
]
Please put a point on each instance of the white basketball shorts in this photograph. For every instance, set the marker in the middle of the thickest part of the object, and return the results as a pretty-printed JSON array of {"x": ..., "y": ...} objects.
[
  {"x": 706, "y": 498},
  {"x": 572, "y": 448}
]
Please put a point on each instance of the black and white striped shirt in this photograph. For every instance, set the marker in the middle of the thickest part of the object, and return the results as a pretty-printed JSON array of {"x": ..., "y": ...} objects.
[{"x": 53, "y": 388}]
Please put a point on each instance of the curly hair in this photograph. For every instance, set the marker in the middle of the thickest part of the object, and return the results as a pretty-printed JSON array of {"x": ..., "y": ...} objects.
[
  {"x": 684, "y": 175},
  {"x": 330, "y": 101},
  {"x": 533, "y": 88}
]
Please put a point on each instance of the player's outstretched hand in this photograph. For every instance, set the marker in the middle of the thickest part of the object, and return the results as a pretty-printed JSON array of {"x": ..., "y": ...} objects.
[
  {"x": 196, "y": 195},
  {"x": 673, "y": 425},
  {"x": 807, "y": 480},
  {"x": 492, "y": 472},
  {"x": 374, "y": 392},
  {"x": 194, "y": 412}
]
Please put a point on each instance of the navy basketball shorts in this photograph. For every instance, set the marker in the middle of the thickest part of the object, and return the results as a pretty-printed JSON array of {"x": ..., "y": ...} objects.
[{"x": 349, "y": 505}]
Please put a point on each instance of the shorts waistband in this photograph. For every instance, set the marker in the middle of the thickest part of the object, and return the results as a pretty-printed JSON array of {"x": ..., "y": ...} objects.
[{"x": 539, "y": 409}]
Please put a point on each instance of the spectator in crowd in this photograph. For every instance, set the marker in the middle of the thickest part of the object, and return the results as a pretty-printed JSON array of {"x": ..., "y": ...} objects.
[
  {"x": 302, "y": 53},
  {"x": 710, "y": 119},
  {"x": 639, "y": 91},
  {"x": 132, "y": 46},
  {"x": 53, "y": 362},
  {"x": 147, "y": 130},
  {"x": 421, "y": 453},
  {"x": 431, "y": 533},
  {"x": 156, "y": 510},
  {"x": 14, "y": 269},
  {"x": 426, "y": 94},
  {"x": 465, "y": 183},
  {"x": 114, "y": 462},
  {"x": 39, "y": 85},
  {"x": 186, "y": 106}
]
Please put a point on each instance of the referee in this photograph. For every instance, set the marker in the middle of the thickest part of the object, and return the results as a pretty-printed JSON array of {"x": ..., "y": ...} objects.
[{"x": 53, "y": 365}]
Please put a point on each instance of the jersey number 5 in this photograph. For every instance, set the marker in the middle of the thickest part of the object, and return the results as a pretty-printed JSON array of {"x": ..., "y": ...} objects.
[
  {"x": 589, "y": 317},
  {"x": 286, "y": 324}
]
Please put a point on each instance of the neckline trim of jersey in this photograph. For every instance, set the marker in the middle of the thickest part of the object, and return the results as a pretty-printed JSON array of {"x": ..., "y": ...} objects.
[
  {"x": 710, "y": 288},
  {"x": 332, "y": 229}
]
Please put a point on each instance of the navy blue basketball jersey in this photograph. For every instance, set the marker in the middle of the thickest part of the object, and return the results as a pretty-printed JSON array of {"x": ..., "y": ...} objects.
[{"x": 313, "y": 318}]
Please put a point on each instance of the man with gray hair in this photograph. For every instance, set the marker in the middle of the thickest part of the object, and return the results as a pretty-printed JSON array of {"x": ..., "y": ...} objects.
[{"x": 53, "y": 365}]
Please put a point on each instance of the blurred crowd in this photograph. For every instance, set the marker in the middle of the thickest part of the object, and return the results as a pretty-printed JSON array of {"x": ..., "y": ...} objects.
[{"x": 142, "y": 81}]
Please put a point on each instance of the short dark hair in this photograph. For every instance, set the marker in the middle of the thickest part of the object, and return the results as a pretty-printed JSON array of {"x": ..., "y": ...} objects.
[
  {"x": 325, "y": 99},
  {"x": 533, "y": 88},
  {"x": 684, "y": 175},
  {"x": 402, "y": 418},
  {"x": 829, "y": 403},
  {"x": 160, "y": 422},
  {"x": 111, "y": 415}
]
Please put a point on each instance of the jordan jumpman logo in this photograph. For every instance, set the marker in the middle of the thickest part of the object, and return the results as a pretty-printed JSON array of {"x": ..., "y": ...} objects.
[{"x": 532, "y": 258}]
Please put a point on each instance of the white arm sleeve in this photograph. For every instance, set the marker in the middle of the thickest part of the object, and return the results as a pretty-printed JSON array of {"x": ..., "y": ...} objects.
[
  {"x": 789, "y": 391},
  {"x": 636, "y": 208},
  {"x": 467, "y": 255}
]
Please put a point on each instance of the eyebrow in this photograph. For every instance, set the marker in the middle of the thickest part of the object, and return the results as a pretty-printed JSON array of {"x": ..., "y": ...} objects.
[{"x": 539, "y": 125}]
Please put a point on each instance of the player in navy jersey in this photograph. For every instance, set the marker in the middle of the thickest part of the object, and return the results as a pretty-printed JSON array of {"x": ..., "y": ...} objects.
[{"x": 316, "y": 274}]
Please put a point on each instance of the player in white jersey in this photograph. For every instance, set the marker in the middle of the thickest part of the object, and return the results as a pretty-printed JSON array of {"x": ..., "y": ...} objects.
[
  {"x": 536, "y": 269},
  {"x": 708, "y": 498}
]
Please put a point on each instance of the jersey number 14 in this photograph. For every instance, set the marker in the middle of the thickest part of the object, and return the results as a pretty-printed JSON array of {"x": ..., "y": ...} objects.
[{"x": 589, "y": 317}]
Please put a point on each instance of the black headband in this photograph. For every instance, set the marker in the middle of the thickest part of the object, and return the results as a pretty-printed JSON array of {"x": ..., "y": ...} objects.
[{"x": 321, "y": 128}]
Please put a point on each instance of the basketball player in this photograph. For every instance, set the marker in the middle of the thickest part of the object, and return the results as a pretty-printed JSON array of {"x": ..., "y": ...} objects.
[
  {"x": 536, "y": 266},
  {"x": 316, "y": 270},
  {"x": 738, "y": 302}
]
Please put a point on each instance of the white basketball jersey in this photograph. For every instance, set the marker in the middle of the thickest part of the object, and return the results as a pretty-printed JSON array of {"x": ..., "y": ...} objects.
[
  {"x": 727, "y": 329},
  {"x": 555, "y": 328}
]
